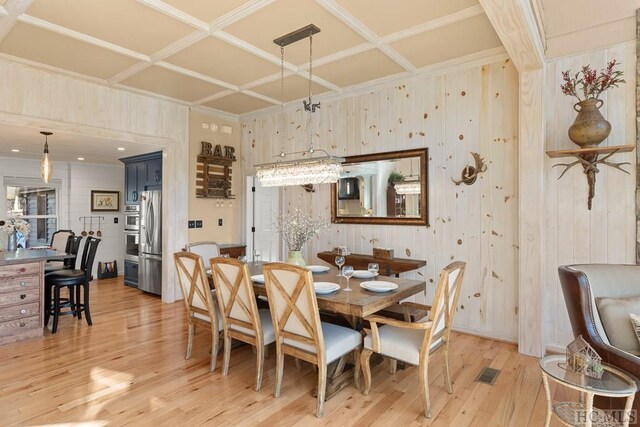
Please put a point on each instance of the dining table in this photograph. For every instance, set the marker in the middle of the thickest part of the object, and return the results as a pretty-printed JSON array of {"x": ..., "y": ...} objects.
[{"x": 352, "y": 305}]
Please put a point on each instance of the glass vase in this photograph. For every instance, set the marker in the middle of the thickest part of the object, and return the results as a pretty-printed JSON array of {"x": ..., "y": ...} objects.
[
  {"x": 12, "y": 242},
  {"x": 295, "y": 258}
]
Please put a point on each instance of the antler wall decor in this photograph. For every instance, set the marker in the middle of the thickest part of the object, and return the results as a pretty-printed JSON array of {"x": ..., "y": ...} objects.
[
  {"x": 588, "y": 158},
  {"x": 470, "y": 173}
]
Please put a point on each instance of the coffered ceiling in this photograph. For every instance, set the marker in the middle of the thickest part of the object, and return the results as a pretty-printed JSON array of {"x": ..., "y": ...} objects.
[{"x": 220, "y": 54}]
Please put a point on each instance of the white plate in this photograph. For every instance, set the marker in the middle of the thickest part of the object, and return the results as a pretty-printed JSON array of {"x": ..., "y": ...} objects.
[
  {"x": 258, "y": 278},
  {"x": 318, "y": 268},
  {"x": 323, "y": 288},
  {"x": 379, "y": 286},
  {"x": 363, "y": 274}
]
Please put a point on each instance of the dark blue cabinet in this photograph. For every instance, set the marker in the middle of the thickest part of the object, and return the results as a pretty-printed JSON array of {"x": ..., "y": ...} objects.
[{"x": 141, "y": 173}]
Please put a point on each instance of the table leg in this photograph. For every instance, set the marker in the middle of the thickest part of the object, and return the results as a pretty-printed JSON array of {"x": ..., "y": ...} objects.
[{"x": 547, "y": 392}]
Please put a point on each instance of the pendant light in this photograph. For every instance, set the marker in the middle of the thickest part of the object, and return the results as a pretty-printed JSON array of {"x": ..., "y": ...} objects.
[
  {"x": 410, "y": 186},
  {"x": 312, "y": 170},
  {"x": 46, "y": 168}
]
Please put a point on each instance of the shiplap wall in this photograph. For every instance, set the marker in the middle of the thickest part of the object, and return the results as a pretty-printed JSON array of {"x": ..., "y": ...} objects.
[
  {"x": 474, "y": 109},
  {"x": 41, "y": 99},
  {"x": 607, "y": 233},
  {"x": 74, "y": 199}
]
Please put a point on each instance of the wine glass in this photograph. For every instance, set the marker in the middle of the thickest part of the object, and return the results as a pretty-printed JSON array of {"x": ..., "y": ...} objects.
[
  {"x": 347, "y": 271},
  {"x": 339, "y": 262},
  {"x": 373, "y": 268},
  {"x": 257, "y": 253}
]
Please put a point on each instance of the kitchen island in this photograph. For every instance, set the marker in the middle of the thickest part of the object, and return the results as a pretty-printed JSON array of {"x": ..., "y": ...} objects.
[{"x": 22, "y": 291}]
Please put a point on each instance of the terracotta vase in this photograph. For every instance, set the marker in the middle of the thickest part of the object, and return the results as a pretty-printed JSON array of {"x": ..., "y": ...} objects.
[
  {"x": 295, "y": 258},
  {"x": 590, "y": 127}
]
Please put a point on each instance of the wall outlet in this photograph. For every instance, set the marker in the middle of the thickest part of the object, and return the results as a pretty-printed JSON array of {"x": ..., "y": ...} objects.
[
  {"x": 198, "y": 223},
  {"x": 115, "y": 220},
  {"x": 192, "y": 224},
  {"x": 219, "y": 222}
]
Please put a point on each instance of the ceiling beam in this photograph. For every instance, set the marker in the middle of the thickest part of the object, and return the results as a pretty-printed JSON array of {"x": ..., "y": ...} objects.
[
  {"x": 515, "y": 23},
  {"x": 13, "y": 8},
  {"x": 3, "y": 11},
  {"x": 174, "y": 13}
]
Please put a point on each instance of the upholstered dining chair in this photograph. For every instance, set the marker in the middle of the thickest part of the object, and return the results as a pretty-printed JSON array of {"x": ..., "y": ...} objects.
[
  {"x": 414, "y": 342},
  {"x": 201, "y": 309},
  {"x": 241, "y": 319},
  {"x": 60, "y": 240},
  {"x": 298, "y": 329},
  {"x": 206, "y": 250}
]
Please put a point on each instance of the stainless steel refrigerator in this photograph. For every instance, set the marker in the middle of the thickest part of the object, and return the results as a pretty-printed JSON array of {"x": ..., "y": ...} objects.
[{"x": 150, "y": 255}]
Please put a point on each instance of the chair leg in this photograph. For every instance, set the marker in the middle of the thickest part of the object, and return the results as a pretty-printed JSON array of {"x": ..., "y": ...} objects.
[
  {"x": 215, "y": 342},
  {"x": 279, "y": 370},
  {"x": 227, "y": 355},
  {"x": 298, "y": 363},
  {"x": 85, "y": 307},
  {"x": 260, "y": 350},
  {"x": 56, "y": 308},
  {"x": 47, "y": 304},
  {"x": 366, "y": 370},
  {"x": 192, "y": 331},
  {"x": 322, "y": 389},
  {"x": 424, "y": 387},
  {"x": 75, "y": 305},
  {"x": 393, "y": 366},
  {"x": 356, "y": 368},
  {"x": 445, "y": 368}
]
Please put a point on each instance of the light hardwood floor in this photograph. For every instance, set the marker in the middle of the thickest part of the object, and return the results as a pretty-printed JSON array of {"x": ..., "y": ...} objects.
[{"x": 129, "y": 368}]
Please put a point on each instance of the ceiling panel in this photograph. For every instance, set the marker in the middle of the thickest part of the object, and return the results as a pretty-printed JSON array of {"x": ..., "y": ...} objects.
[
  {"x": 238, "y": 103},
  {"x": 383, "y": 19},
  {"x": 123, "y": 22},
  {"x": 66, "y": 147},
  {"x": 50, "y": 48},
  {"x": 206, "y": 11},
  {"x": 365, "y": 66},
  {"x": 220, "y": 60},
  {"x": 284, "y": 16},
  {"x": 169, "y": 83},
  {"x": 458, "y": 39},
  {"x": 295, "y": 87},
  {"x": 584, "y": 14}
]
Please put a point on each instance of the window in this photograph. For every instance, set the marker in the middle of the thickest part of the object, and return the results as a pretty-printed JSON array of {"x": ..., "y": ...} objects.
[{"x": 37, "y": 204}]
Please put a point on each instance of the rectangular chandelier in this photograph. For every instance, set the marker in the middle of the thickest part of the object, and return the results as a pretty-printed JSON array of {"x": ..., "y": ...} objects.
[
  {"x": 319, "y": 170},
  {"x": 408, "y": 187}
]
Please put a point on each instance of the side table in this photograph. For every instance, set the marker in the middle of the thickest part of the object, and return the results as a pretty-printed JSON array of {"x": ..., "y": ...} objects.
[{"x": 614, "y": 383}]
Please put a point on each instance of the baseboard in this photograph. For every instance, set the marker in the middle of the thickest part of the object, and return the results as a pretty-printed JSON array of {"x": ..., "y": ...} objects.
[{"x": 483, "y": 334}]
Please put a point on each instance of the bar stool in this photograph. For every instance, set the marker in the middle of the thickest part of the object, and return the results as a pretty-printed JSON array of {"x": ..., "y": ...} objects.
[{"x": 74, "y": 279}]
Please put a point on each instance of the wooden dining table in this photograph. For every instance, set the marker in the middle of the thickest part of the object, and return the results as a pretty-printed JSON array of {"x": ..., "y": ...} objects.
[{"x": 353, "y": 306}]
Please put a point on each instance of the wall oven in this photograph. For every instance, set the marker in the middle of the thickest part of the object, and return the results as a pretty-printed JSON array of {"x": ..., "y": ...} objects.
[{"x": 131, "y": 218}]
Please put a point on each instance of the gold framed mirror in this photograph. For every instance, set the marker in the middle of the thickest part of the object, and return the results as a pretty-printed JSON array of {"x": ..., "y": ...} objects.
[{"x": 383, "y": 188}]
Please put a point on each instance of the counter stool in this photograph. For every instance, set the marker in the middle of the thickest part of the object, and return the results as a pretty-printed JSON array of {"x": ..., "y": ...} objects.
[
  {"x": 72, "y": 248},
  {"x": 74, "y": 279}
]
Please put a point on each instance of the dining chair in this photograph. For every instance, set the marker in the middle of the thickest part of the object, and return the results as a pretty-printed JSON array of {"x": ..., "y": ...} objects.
[
  {"x": 414, "y": 342},
  {"x": 206, "y": 250},
  {"x": 60, "y": 240},
  {"x": 298, "y": 329},
  {"x": 198, "y": 301},
  {"x": 241, "y": 319},
  {"x": 76, "y": 280}
]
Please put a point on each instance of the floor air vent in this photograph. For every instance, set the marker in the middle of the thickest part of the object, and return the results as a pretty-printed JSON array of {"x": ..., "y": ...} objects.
[{"x": 488, "y": 376}]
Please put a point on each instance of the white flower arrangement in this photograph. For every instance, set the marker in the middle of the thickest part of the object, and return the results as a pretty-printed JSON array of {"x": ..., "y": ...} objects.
[
  {"x": 297, "y": 228},
  {"x": 12, "y": 226}
]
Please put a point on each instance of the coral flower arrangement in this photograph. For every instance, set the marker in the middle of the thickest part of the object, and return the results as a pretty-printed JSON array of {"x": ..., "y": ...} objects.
[{"x": 588, "y": 83}]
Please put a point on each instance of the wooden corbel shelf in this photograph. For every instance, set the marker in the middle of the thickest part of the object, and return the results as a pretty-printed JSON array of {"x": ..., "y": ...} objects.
[{"x": 589, "y": 158}]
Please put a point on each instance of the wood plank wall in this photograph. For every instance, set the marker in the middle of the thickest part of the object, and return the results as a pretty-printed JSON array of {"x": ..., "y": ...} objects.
[
  {"x": 607, "y": 233},
  {"x": 474, "y": 109}
]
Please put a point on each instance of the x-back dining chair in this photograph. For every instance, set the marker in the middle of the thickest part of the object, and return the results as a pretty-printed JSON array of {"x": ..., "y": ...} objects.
[
  {"x": 206, "y": 250},
  {"x": 241, "y": 319},
  {"x": 414, "y": 342},
  {"x": 298, "y": 329},
  {"x": 198, "y": 300}
]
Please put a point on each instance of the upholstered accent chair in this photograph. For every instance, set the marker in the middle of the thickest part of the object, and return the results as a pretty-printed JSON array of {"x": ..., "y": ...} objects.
[
  {"x": 599, "y": 299},
  {"x": 413, "y": 343},
  {"x": 241, "y": 319},
  {"x": 298, "y": 329},
  {"x": 201, "y": 309}
]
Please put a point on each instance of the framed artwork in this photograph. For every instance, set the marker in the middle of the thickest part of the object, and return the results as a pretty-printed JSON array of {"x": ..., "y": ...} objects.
[{"x": 105, "y": 201}]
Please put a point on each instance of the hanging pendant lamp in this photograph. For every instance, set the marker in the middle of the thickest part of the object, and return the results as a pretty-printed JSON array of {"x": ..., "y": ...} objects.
[
  {"x": 311, "y": 170},
  {"x": 46, "y": 168},
  {"x": 410, "y": 186}
]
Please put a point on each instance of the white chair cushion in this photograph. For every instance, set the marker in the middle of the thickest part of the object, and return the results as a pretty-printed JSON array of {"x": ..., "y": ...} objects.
[
  {"x": 338, "y": 341},
  {"x": 267, "y": 327},
  {"x": 206, "y": 318},
  {"x": 400, "y": 343}
]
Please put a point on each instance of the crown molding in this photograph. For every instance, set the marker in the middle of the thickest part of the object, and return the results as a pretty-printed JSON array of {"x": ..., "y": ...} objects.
[{"x": 212, "y": 112}]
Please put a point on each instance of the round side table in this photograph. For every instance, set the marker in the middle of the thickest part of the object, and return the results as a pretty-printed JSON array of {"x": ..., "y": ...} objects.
[{"x": 614, "y": 383}]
